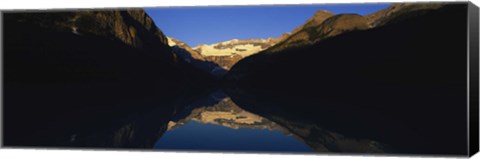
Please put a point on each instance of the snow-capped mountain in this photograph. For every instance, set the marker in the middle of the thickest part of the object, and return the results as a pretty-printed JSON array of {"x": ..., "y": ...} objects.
[
  {"x": 236, "y": 47},
  {"x": 227, "y": 53}
]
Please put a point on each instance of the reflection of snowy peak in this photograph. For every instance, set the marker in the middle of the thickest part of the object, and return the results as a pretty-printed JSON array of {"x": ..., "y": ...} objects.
[
  {"x": 227, "y": 114},
  {"x": 224, "y": 112}
]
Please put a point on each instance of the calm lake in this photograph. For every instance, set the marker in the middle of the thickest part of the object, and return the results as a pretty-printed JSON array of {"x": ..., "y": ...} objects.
[
  {"x": 216, "y": 123},
  {"x": 231, "y": 119},
  {"x": 225, "y": 126}
]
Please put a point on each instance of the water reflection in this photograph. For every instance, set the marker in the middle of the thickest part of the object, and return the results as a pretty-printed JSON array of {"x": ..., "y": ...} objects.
[
  {"x": 224, "y": 113},
  {"x": 224, "y": 120},
  {"x": 194, "y": 135},
  {"x": 226, "y": 126}
]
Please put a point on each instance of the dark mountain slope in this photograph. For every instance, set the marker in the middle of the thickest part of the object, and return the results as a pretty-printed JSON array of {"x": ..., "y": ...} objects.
[
  {"x": 314, "y": 21},
  {"x": 64, "y": 71},
  {"x": 325, "y": 24},
  {"x": 83, "y": 46},
  {"x": 332, "y": 26},
  {"x": 412, "y": 70}
]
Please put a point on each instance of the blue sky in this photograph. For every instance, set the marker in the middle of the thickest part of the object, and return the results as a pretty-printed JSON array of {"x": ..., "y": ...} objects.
[{"x": 208, "y": 25}]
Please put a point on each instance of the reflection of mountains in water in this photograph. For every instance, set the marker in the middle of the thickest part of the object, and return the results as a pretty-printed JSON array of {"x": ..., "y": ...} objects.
[
  {"x": 223, "y": 112},
  {"x": 227, "y": 113}
]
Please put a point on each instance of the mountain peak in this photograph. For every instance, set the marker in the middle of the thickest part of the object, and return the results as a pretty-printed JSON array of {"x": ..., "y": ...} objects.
[
  {"x": 323, "y": 12},
  {"x": 315, "y": 20},
  {"x": 235, "y": 46},
  {"x": 172, "y": 41},
  {"x": 227, "y": 53}
]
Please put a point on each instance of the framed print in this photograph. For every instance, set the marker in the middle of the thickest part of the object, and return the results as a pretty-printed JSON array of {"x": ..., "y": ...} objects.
[{"x": 352, "y": 78}]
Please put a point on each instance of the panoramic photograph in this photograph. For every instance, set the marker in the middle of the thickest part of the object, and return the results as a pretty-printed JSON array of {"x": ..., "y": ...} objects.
[{"x": 366, "y": 78}]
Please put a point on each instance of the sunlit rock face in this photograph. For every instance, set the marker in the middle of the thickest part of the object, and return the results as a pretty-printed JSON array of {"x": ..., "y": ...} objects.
[
  {"x": 324, "y": 24},
  {"x": 321, "y": 26},
  {"x": 182, "y": 48}
]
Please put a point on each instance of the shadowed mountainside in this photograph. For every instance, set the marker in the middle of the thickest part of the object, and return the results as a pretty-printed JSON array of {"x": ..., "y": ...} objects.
[
  {"x": 66, "y": 70},
  {"x": 401, "y": 69},
  {"x": 302, "y": 34},
  {"x": 388, "y": 15},
  {"x": 324, "y": 24}
]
